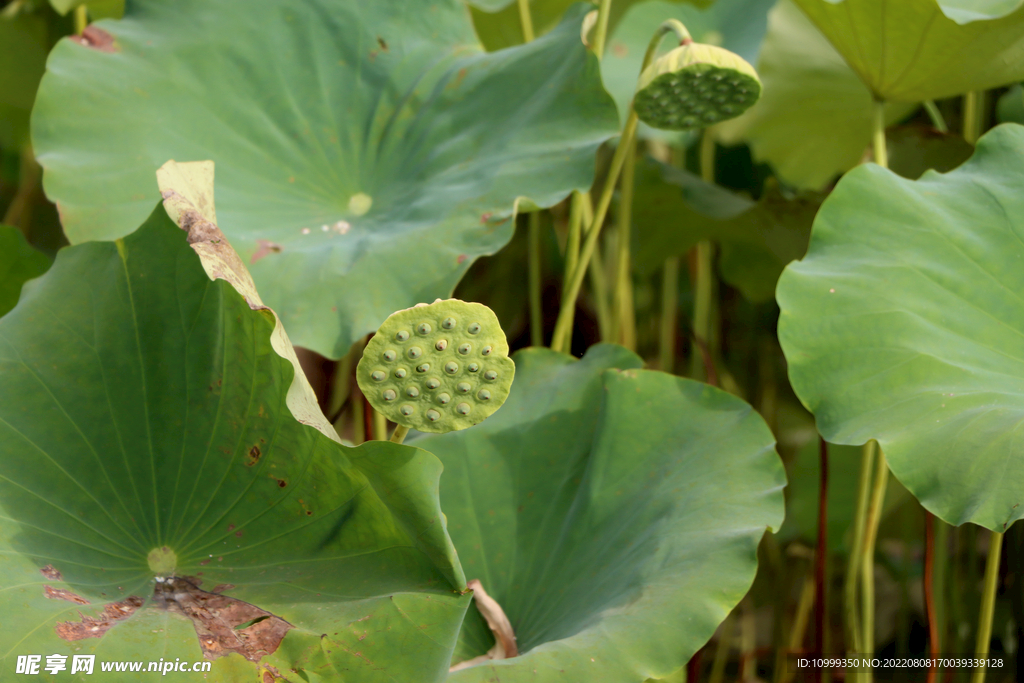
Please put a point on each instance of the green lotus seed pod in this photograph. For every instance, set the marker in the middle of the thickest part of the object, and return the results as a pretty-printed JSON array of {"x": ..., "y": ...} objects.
[
  {"x": 695, "y": 86},
  {"x": 456, "y": 346}
]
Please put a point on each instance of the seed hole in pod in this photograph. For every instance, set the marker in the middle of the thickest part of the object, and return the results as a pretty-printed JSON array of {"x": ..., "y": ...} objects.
[
  {"x": 448, "y": 323},
  {"x": 423, "y": 367},
  {"x": 740, "y": 98},
  {"x": 433, "y": 383},
  {"x": 690, "y": 121},
  {"x": 474, "y": 328},
  {"x": 463, "y": 409},
  {"x": 424, "y": 328},
  {"x": 412, "y": 392},
  {"x": 473, "y": 367},
  {"x": 741, "y": 91},
  {"x": 724, "y": 87},
  {"x": 728, "y": 109},
  {"x": 464, "y": 387},
  {"x": 407, "y": 410},
  {"x": 721, "y": 99},
  {"x": 735, "y": 82},
  {"x": 443, "y": 398},
  {"x": 717, "y": 77},
  {"x": 451, "y": 367},
  {"x": 486, "y": 351},
  {"x": 465, "y": 348},
  {"x": 378, "y": 375},
  {"x": 483, "y": 395},
  {"x": 441, "y": 344},
  {"x": 400, "y": 373},
  {"x": 402, "y": 335},
  {"x": 389, "y": 395},
  {"x": 710, "y": 117},
  {"x": 433, "y": 415},
  {"x": 414, "y": 352},
  {"x": 491, "y": 375},
  {"x": 389, "y": 355}
]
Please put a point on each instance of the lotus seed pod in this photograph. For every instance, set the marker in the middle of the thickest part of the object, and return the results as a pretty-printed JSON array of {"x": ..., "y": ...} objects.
[
  {"x": 694, "y": 86},
  {"x": 456, "y": 348}
]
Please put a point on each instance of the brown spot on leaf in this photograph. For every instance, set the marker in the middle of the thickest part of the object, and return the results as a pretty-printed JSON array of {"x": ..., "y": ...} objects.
[
  {"x": 485, "y": 217},
  {"x": 266, "y": 247},
  {"x": 223, "y": 624},
  {"x": 96, "y": 38},
  {"x": 51, "y": 572},
  {"x": 61, "y": 594},
  {"x": 254, "y": 456},
  {"x": 221, "y": 587},
  {"x": 383, "y": 44},
  {"x": 95, "y": 627},
  {"x": 280, "y": 482},
  {"x": 461, "y": 259},
  {"x": 504, "y": 637}
]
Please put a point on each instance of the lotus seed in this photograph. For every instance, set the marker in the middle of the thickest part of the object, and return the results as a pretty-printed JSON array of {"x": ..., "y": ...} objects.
[
  {"x": 448, "y": 324},
  {"x": 402, "y": 335},
  {"x": 474, "y": 328},
  {"x": 433, "y": 415},
  {"x": 441, "y": 344},
  {"x": 491, "y": 375},
  {"x": 414, "y": 352},
  {"x": 412, "y": 392},
  {"x": 451, "y": 367},
  {"x": 400, "y": 373},
  {"x": 473, "y": 367},
  {"x": 433, "y": 383},
  {"x": 443, "y": 399},
  {"x": 407, "y": 410},
  {"x": 463, "y": 409},
  {"x": 463, "y": 387},
  {"x": 423, "y": 367},
  {"x": 483, "y": 395},
  {"x": 389, "y": 395},
  {"x": 465, "y": 348},
  {"x": 424, "y": 328},
  {"x": 486, "y": 351},
  {"x": 389, "y": 355},
  {"x": 378, "y": 375}
]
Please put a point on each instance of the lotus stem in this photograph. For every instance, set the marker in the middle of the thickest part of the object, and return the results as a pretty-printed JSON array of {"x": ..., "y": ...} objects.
[
  {"x": 929, "y": 596},
  {"x": 525, "y": 20},
  {"x": 722, "y": 651},
  {"x": 936, "y": 116},
  {"x": 853, "y": 567},
  {"x": 81, "y": 19},
  {"x": 878, "y": 137},
  {"x": 572, "y": 242},
  {"x": 988, "y": 602},
  {"x": 601, "y": 31},
  {"x": 821, "y": 552},
  {"x": 704, "y": 285},
  {"x": 380, "y": 426},
  {"x": 867, "y": 567},
  {"x": 624, "y": 318},
  {"x": 669, "y": 314},
  {"x": 399, "y": 434},
  {"x": 974, "y": 115}
]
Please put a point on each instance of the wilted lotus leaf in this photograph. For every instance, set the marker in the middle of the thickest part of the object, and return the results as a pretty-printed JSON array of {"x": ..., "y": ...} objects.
[
  {"x": 439, "y": 367},
  {"x": 695, "y": 86}
]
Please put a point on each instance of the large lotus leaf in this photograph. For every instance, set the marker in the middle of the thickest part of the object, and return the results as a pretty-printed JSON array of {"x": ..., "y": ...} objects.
[
  {"x": 614, "y": 513},
  {"x": 1010, "y": 107},
  {"x": 915, "y": 50},
  {"x": 813, "y": 121},
  {"x": 18, "y": 263},
  {"x": 146, "y": 433},
  {"x": 498, "y": 25},
  {"x": 23, "y": 48},
  {"x": 916, "y": 149},
  {"x": 674, "y": 210},
  {"x": 736, "y": 25},
  {"x": 368, "y": 152},
  {"x": 904, "y": 321}
]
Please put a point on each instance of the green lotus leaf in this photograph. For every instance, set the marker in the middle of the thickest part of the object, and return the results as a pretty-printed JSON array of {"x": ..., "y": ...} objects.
[
  {"x": 916, "y": 149},
  {"x": 498, "y": 25},
  {"x": 437, "y": 367},
  {"x": 917, "y": 50},
  {"x": 23, "y": 48},
  {"x": 367, "y": 153},
  {"x": 19, "y": 263},
  {"x": 160, "y": 498},
  {"x": 813, "y": 121},
  {"x": 614, "y": 513},
  {"x": 903, "y": 324},
  {"x": 98, "y": 9},
  {"x": 675, "y": 209},
  {"x": 1010, "y": 107},
  {"x": 736, "y": 25}
]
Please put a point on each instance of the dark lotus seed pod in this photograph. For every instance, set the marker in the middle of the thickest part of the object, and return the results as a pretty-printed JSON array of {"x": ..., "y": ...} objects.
[
  {"x": 457, "y": 349},
  {"x": 695, "y": 86}
]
